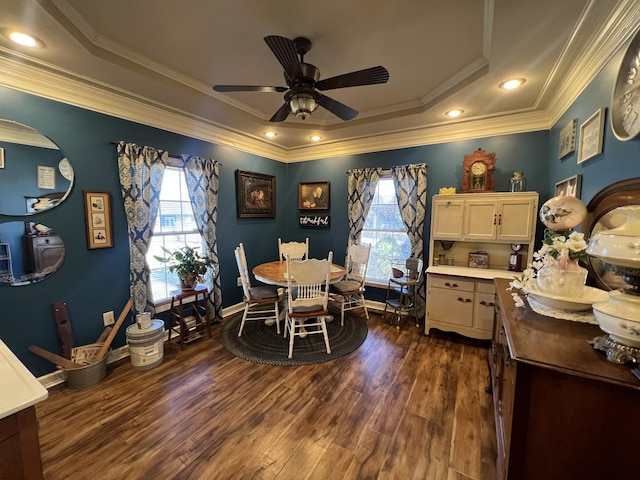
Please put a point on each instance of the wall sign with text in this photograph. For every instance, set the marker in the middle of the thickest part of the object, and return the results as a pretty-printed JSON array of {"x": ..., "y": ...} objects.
[{"x": 315, "y": 221}]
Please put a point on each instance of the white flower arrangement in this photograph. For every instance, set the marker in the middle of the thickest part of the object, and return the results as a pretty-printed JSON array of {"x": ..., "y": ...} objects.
[{"x": 559, "y": 248}]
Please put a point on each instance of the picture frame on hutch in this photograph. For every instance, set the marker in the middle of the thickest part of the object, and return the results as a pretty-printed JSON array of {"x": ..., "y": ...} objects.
[
  {"x": 97, "y": 207},
  {"x": 313, "y": 196},
  {"x": 255, "y": 194},
  {"x": 591, "y": 136}
]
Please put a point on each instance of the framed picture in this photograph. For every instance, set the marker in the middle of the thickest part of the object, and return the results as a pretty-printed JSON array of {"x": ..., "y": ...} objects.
[
  {"x": 1, "y": 157},
  {"x": 255, "y": 194},
  {"x": 591, "y": 135},
  {"x": 46, "y": 177},
  {"x": 313, "y": 196},
  {"x": 478, "y": 260},
  {"x": 571, "y": 187},
  {"x": 568, "y": 138},
  {"x": 97, "y": 207}
]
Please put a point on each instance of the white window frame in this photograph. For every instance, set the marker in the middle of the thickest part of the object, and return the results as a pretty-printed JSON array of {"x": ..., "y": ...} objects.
[
  {"x": 372, "y": 235},
  {"x": 172, "y": 238}
]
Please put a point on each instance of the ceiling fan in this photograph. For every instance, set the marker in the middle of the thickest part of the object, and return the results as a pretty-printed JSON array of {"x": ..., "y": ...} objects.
[{"x": 301, "y": 94}]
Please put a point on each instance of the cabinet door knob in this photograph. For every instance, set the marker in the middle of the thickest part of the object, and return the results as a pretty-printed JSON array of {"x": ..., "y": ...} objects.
[
  {"x": 460, "y": 299},
  {"x": 500, "y": 219},
  {"x": 495, "y": 219},
  {"x": 451, "y": 285},
  {"x": 467, "y": 300}
]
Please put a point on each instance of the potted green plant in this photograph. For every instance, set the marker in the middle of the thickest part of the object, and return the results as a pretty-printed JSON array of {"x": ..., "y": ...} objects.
[{"x": 188, "y": 264}]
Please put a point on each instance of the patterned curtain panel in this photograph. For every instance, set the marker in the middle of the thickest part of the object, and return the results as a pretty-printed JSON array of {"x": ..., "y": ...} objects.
[
  {"x": 411, "y": 193},
  {"x": 202, "y": 177},
  {"x": 361, "y": 186},
  {"x": 141, "y": 170}
]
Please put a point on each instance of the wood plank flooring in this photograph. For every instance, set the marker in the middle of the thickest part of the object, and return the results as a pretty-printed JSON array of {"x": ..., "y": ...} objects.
[{"x": 402, "y": 406}]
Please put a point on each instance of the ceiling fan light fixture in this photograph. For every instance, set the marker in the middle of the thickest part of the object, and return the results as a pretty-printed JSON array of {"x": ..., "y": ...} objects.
[{"x": 303, "y": 104}]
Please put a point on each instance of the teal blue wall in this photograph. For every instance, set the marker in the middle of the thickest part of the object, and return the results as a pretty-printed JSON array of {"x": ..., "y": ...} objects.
[
  {"x": 94, "y": 281},
  {"x": 618, "y": 161}
]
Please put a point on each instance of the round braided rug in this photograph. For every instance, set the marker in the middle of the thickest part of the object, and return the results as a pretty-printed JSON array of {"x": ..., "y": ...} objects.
[{"x": 261, "y": 344}]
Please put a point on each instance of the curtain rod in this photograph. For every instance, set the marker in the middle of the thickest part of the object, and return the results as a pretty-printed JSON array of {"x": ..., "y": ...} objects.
[{"x": 177, "y": 157}]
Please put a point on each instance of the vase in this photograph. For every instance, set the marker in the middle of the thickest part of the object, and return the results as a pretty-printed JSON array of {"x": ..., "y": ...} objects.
[
  {"x": 563, "y": 282},
  {"x": 189, "y": 281}
]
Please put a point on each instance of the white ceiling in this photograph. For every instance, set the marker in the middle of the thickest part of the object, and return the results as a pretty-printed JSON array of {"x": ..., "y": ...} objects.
[{"x": 155, "y": 62}]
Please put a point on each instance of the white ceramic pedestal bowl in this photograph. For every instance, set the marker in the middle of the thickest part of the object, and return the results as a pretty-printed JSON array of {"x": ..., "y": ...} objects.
[{"x": 620, "y": 317}]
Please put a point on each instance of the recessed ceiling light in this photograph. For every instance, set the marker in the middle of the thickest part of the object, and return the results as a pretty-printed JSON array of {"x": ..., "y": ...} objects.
[
  {"x": 513, "y": 83},
  {"x": 270, "y": 134},
  {"x": 315, "y": 138},
  {"x": 22, "y": 38},
  {"x": 456, "y": 112}
]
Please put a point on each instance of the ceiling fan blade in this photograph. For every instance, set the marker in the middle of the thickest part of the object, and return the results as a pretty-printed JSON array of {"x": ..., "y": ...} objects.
[
  {"x": 281, "y": 114},
  {"x": 248, "y": 88},
  {"x": 368, "y": 76},
  {"x": 285, "y": 51},
  {"x": 338, "y": 109}
]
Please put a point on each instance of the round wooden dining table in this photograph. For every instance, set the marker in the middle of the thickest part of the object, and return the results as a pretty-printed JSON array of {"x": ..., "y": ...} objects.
[{"x": 274, "y": 273}]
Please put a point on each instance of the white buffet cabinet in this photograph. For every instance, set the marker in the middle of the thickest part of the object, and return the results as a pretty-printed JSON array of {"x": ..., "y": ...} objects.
[{"x": 459, "y": 298}]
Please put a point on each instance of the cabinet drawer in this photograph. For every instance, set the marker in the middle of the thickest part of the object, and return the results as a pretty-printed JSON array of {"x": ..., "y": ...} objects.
[
  {"x": 52, "y": 240},
  {"x": 485, "y": 287},
  {"x": 452, "y": 283}
]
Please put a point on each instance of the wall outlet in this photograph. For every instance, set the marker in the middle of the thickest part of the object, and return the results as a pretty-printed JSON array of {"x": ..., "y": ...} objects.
[
  {"x": 239, "y": 281},
  {"x": 107, "y": 318}
]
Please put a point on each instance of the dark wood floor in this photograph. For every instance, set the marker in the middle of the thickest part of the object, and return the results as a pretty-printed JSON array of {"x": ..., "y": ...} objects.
[{"x": 403, "y": 406}]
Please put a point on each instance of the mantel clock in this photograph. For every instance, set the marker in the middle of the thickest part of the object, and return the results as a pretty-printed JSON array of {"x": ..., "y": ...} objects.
[{"x": 478, "y": 172}]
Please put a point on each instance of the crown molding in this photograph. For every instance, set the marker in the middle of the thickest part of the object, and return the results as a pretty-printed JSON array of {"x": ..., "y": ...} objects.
[{"x": 584, "y": 56}]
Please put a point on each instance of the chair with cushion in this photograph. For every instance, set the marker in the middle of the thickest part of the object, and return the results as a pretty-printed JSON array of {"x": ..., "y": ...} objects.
[
  {"x": 401, "y": 292},
  {"x": 350, "y": 291},
  {"x": 294, "y": 250},
  {"x": 260, "y": 302},
  {"x": 308, "y": 296}
]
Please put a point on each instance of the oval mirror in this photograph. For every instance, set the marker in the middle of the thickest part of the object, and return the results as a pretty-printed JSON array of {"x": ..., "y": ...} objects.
[
  {"x": 34, "y": 173},
  {"x": 29, "y": 253},
  {"x": 605, "y": 211}
]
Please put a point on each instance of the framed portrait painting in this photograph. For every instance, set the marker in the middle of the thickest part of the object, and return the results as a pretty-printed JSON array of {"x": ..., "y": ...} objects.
[
  {"x": 313, "y": 196},
  {"x": 97, "y": 207},
  {"x": 255, "y": 194}
]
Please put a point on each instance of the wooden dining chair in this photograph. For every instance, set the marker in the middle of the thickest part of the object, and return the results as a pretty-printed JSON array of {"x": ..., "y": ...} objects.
[
  {"x": 349, "y": 292},
  {"x": 257, "y": 299},
  {"x": 294, "y": 250},
  {"x": 308, "y": 297}
]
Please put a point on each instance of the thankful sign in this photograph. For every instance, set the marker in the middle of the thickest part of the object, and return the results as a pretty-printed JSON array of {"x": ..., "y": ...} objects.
[{"x": 317, "y": 221}]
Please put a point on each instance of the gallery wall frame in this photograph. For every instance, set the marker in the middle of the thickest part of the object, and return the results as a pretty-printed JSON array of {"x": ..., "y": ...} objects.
[
  {"x": 97, "y": 207},
  {"x": 46, "y": 177},
  {"x": 568, "y": 138},
  {"x": 571, "y": 186},
  {"x": 591, "y": 136},
  {"x": 313, "y": 195},
  {"x": 255, "y": 194}
]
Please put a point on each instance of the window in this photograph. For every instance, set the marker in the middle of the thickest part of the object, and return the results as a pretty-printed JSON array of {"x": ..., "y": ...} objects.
[
  {"x": 175, "y": 227},
  {"x": 384, "y": 230}
]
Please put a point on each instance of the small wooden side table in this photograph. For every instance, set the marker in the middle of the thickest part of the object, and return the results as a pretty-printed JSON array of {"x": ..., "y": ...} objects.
[{"x": 188, "y": 308}]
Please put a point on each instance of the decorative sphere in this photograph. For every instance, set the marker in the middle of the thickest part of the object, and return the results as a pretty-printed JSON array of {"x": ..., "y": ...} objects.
[{"x": 563, "y": 213}]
